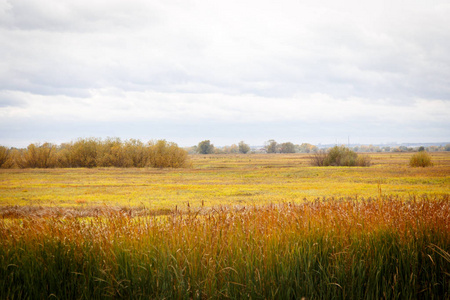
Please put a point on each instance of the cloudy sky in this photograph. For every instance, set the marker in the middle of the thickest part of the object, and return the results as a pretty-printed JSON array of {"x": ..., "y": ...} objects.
[{"x": 185, "y": 71}]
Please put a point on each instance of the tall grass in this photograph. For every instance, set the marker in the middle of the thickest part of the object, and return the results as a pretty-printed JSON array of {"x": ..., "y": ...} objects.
[{"x": 329, "y": 248}]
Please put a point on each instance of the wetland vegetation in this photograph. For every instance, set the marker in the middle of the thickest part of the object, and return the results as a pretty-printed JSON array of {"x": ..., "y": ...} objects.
[{"x": 229, "y": 226}]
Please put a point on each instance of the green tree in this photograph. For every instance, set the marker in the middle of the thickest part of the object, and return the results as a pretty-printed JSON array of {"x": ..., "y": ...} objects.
[
  {"x": 205, "y": 147},
  {"x": 287, "y": 147},
  {"x": 243, "y": 147},
  {"x": 271, "y": 146}
]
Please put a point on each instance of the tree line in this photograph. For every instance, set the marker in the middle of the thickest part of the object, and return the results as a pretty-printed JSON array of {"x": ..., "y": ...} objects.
[
  {"x": 94, "y": 152},
  {"x": 272, "y": 146}
]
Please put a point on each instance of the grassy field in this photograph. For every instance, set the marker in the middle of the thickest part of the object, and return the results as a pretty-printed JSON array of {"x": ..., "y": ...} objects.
[
  {"x": 223, "y": 180},
  {"x": 230, "y": 227}
]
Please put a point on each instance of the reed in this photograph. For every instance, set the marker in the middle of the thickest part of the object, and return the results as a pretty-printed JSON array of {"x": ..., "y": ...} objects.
[{"x": 328, "y": 248}]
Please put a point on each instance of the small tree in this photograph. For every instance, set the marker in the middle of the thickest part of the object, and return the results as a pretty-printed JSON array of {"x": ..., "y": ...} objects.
[
  {"x": 420, "y": 159},
  {"x": 37, "y": 156},
  {"x": 205, "y": 147},
  {"x": 163, "y": 154},
  {"x": 287, "y": 148},
  {"x": 271, "y": 146},
  {"x": 82, "y": 153},
  {"x": 137, "y": 153},
  {"x": 5, "y": 158},
  {"x": 307, "y": 148},
  {"x": 318, "y": 158},
  {"x": 243, "y": 147},
  {"x": 233, "y": 149},
  {"x": 111, "y": 153}
]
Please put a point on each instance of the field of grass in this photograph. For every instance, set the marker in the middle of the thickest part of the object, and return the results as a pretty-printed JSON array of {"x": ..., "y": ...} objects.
[
  {"x": 381, "y": 232},
  {"x": 223, "y": 180}
]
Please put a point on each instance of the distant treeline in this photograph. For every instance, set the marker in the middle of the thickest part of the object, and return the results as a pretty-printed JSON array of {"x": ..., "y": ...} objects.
[
  {"x": 271, "y": 146},
  {"x": 205, "y": 147},
  {"x": 93, "y": 152}
]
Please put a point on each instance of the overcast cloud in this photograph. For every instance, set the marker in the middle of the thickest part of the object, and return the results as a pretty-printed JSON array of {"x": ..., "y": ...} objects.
[{"x": 299, "y": 71}]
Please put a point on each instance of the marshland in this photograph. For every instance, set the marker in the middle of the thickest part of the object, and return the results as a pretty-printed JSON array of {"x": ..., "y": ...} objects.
[{"x": 263, "y": 226}]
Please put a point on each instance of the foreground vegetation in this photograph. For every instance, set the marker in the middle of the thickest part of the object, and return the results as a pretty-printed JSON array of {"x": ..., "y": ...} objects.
[
  {"x": 391, "y": 248},
  {"x": 230, "y": 226}
]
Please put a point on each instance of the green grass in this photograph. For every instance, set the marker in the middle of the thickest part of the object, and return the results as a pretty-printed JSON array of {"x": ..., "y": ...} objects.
[{"x": 222, "y": 180}]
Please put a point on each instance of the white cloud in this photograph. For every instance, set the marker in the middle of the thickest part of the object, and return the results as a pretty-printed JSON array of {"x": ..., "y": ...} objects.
[
  {"x": 233, "y": 61},
  {"x": 115, "y": 105}
]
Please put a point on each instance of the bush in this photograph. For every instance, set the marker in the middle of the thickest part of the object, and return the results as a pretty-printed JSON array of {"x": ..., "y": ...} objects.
[
  {"x": 112, "y": 153},
  {"x": 339, "y": 156},
  {"x": 363, "y": 161},
  {"x": 318, "y": 158},
  {"x": 6, "y": 160},
  {"x": 137, "y": 153},
  {"x": 37, "y": 156},
  {"x": 420, "y": 159},
  {"x": 164, "y": 154},
  {"x": 81, "y": 154},
  {"x": 92, "y": 152}
]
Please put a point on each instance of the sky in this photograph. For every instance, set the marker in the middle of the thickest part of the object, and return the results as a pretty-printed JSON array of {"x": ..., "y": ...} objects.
[{"x": 300, "y": 71}]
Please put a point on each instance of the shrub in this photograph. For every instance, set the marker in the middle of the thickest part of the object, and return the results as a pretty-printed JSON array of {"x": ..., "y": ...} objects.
[
  {"x": 112, "y": 153},
  {"x": 163, "y": 154},
  {"x": 6, "y": 160},
  {"x": 318, "y": 158},
  {"x": 37, "y": 156},
  {"x": 339, "y": 156},
  {"x": 420, "y": 159},
  {"x": 137, "y": 153},
  {"x": 363, "y": 161},
  {"x": 92, "y": 152},
  {"x": 81, "y": 154}
]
